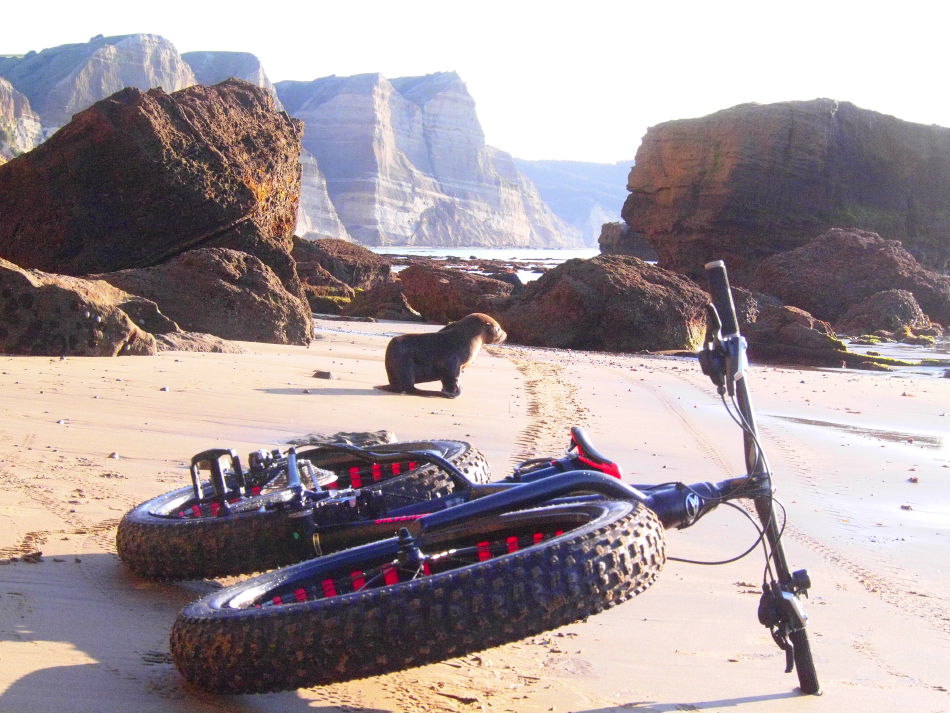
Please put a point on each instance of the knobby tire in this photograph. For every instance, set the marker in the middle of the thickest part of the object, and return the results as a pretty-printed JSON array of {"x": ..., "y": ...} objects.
[
  {"x": 156, "y": 543},
  {"x": 247, "y": 638}
]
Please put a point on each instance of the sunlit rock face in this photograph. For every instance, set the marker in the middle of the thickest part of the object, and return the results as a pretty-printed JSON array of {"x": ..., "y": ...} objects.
[
  {"x": 755, "y": 180},
  {"x": 406, "y": 163},
  {"x": 20, "y": 128},
  {"x": 61, "y": 81}
]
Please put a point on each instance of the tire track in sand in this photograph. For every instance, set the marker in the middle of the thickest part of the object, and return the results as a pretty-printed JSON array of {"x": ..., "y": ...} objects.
[{"x": 553, "y": 407}]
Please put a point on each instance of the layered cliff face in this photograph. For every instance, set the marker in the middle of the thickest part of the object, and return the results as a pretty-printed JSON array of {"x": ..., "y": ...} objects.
[
  {"x": 20, "y": 128},
  {"x": 316, "y": 215},
  {"x": 752, "y": 181},
  {"x": 583, "y": 195},
  {"x": 61, "y": 81},
  {"x": 213, "y": 67},
  {"x": 406, "y": 163}
]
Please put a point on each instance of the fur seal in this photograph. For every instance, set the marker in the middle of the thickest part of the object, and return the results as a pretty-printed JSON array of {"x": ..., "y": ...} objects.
[{"x": 438, "y": 356}]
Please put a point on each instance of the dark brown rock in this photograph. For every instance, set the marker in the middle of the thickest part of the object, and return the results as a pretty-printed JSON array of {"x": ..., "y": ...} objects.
[
  {"x": 139, "y": 178},
  {"x": 841, "y": 268},
  {"x": 612, "y": 303},
  {"x": 223, "y": 292},
  {"x": 383, "y": 301},
  {"x": 888, "y": 310},
  {"x": 444, "y": 295},
  {"x": 788, "y": 335},
  {"x": 754, "y": 180},
  {"x": 56, "y": 315},
  {"x": 349, "y": 263}
]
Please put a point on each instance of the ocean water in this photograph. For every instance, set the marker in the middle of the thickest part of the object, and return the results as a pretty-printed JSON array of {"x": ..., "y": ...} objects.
[{"x": 543, "y": 258}]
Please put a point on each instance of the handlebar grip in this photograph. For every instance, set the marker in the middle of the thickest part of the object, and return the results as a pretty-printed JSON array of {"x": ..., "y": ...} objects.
[{"x": 722, "y": 296}]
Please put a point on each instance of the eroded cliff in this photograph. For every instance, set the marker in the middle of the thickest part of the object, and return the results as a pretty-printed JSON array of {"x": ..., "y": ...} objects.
[{"x": 755, "y": 180}]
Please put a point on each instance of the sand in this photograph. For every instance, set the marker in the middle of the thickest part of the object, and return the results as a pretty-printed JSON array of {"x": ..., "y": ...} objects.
[{"x": 83, "y": 440}]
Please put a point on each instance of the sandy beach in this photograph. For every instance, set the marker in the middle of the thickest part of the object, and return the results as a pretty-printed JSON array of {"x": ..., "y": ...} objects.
[{"x": 861, "y": 463}]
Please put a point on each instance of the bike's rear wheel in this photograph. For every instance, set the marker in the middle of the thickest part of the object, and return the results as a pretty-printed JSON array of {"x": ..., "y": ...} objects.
[
  {"x": 173, "y": 536},
  {"x": 361, "y": 613}
]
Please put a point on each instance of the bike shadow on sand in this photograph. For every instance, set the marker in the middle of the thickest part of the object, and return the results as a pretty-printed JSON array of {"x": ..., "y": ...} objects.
[
  {"x": 90, "y": 635},
  {"x": 714, "y": 705}
]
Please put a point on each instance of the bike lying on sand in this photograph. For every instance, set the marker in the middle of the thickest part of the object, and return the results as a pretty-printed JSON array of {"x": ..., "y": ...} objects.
[{"x": 527, "y": 557}]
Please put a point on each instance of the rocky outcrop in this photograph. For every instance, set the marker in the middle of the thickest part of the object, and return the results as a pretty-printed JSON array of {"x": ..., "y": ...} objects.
[
  {"x": 223, "y": 292},
  {"x": 755, "y": 180},
  {"x": 139, "y": 178},
  {"x": 57, "y": 315},
  {"x": 20, "y": 128},
  {"x": 841, "y": 268},
  {"x": 352, "y": 264},
  {"x": 583, "y": 195},
  {"x": 385, "y": 300},
  {"x": 611, "y": 303},
  {"x": 406, "y": 163},
  {"x": 444, "y": 295},
  {"x": 619, "y": 239},
  {"x": 788, "y": 335},
  {"x": 889, "y": 310},
  {"x": 61, "y": 81}
]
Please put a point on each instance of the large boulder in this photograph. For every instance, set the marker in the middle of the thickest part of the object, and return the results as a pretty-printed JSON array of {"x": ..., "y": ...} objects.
[
  {"x": 841, "y": 268},
  {"x": 139, "y": 178},
  {"x": 385, "y": 300},
  {"x": 888, "y": 310},
  {"x": 223, "y": 292},
  {"x": 754, "y": 180},
  {"x": 58, "y": 315},
  {"x": 610, "y": 302},
  {"x": 444, "y": 295},
  {"x": 788, "y": 335},
  {"x": 352, "y": 264}
]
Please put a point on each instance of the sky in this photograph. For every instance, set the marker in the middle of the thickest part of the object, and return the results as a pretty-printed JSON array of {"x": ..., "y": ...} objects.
[{"x": 580, "y": 80}]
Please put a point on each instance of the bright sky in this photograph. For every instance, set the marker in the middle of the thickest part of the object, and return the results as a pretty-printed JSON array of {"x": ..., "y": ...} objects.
[{"x": 562, "y": 79}]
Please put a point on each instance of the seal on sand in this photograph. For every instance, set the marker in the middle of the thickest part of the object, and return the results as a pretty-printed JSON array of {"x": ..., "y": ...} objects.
[{"x": 440, "y": 356}]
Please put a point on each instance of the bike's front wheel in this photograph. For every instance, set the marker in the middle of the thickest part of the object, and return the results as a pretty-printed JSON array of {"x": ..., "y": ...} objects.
[{"x": 388, "y": 605}]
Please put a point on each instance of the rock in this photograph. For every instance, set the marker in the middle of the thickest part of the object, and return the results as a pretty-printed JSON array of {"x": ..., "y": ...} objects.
[
  {"x": 383, "y": 301},
  {"x": 444, "y": 295},
  {"x": 61, "y": 81},
  {"x": 405, "y": 162},
  {"x": 20, "y": 128},
  {"x": 349, "y": 263},
  {"x": 619, "y": 239},
  {"x": 788, "y": 335},
  {"x": 57, "y": 315},
  {"x": 841, "y": 268},
  {"x": 888, "y": 310},
  {"x": 223, "y": 292},
  {"x": 755, "y": 180},
  {"x": 196, "y": 342},
  {"x": 611, "y": 303},
  {"x": 157, "y": 174}
]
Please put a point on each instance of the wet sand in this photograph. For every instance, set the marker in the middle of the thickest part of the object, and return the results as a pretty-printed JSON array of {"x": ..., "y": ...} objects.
[{"x": 861, "y": 462}]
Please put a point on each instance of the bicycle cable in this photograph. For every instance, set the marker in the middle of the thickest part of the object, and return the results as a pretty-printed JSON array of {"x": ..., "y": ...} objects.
[{"x": 758, "y": 540}]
